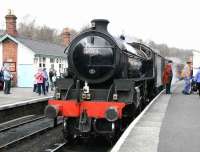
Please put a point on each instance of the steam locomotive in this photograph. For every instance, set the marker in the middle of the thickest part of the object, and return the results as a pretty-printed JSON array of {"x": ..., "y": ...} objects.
[{"x": 109, "y": 81}]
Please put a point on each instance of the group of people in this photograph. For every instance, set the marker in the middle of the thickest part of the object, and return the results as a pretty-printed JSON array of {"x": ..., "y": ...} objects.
[
  {"x": 187, "y": 75},
  {"x": 41, "y": 82},
  {"x": 5, "y": 79}
]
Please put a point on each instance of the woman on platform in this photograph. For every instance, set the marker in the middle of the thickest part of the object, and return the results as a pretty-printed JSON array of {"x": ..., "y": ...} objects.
[
  {"x": 186, "y": 74},
  {"x": 40, "y": 81}
]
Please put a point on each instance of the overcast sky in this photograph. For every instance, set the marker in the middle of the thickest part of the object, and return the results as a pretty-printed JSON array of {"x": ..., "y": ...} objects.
[{"x": 174, "y": 22}]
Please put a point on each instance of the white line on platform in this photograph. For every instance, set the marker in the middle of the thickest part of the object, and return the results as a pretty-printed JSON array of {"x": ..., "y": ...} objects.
[
  {"x": 130, "y": 127},
  {"x": 19, "y": 103}
]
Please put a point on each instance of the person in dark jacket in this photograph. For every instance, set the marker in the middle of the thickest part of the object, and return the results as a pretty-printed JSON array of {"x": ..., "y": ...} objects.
[
  {"x": 45, "y": 85},
  {"x": 52, "y": 74},
  {"x": 7, "y": 79},
  {"x": 167, "y": 76},
  {"x": 197, "y": 80},
  {"x": 1, "y": 79}
]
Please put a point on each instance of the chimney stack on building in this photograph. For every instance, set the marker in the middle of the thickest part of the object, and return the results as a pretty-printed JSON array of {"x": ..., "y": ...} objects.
[
  {"x": 11, "y": 24},
  {"x": 66, "y": 36}
]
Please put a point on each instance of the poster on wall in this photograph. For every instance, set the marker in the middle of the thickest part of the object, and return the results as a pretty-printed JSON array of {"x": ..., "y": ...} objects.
[{"x": 11, "y": 65}]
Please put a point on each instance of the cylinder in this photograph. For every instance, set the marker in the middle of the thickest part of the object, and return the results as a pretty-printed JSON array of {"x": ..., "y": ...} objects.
[{"x": 51, "y": 111}]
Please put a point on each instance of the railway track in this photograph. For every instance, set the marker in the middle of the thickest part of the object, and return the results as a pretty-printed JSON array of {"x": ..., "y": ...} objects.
[
  {"x": 11, "y": 124},
  {"x": 96, "y": 145},
  {"x": 13, "y": 135},
  {"x": 17, "y": 135}
]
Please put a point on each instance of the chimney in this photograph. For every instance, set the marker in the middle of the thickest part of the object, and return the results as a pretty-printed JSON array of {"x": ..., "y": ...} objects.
[
  {"x": 100, "y": 25},
  {"x": 11, "y": 24},
  {"x": 66, "y": 37}
]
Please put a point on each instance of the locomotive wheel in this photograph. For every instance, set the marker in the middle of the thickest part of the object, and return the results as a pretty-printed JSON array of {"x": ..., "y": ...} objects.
[
  {"x": 68, "y": 137},
  {"x": 67, "y": 132},
  {"x": 139, "y": 109},
  {"x": 112, "y": 139}
]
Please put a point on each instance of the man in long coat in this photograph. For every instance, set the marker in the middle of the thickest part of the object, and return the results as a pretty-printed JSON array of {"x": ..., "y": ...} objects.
[{"x": 167, "y": 76}]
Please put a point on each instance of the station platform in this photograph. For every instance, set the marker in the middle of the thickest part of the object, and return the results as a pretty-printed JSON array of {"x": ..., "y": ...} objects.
[
  {"x": 22, "y": 95},
  {"x": 170, "y": 123}
]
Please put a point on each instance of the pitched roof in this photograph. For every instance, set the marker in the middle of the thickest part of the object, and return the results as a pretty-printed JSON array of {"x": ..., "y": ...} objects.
[
  {"x": 43, "y": 47},
  {"x": 39, "y": 47}
]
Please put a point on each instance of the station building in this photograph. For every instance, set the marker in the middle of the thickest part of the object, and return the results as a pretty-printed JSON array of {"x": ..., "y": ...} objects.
[{"x": 24, "y": 56}]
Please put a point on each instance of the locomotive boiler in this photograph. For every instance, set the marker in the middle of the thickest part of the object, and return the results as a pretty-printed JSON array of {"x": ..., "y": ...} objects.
[
  {"x": 95, "y": 56},
  {"x": 109, "y": 81}
]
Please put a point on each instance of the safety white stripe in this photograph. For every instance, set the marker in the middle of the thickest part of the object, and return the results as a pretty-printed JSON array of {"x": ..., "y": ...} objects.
[{"x": 20, "y": 103}]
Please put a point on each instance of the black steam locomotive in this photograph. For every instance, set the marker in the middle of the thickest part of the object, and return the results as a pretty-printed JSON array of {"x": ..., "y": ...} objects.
[{"x": 109, "y": 81}]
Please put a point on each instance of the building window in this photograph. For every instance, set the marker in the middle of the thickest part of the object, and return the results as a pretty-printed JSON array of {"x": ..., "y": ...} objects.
[
  {"x": 44, "y": 59},
  {"x": 42, "y": 62},
  {"x": 40, "y": 59},
  {"x": 52, "y": 66},
  {"x": 35, "y": 60},
  {"x": 57, "y": 60},
  {"x": 52, "y": 60},
  {"x": 61, "y": 68}
]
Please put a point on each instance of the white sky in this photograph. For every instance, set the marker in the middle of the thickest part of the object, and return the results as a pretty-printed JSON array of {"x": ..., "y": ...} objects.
[{"x": 174, "y": 22}]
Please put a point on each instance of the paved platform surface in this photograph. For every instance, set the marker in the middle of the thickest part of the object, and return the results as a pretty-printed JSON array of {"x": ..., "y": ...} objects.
[
  {"x": 171, "y": 124},
  {"x": 180, "y": 131},
  {"x": 20, "y": 94}
]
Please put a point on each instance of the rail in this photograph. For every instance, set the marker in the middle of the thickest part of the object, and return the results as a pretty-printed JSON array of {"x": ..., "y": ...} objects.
[{"x": 40, "y": 131}]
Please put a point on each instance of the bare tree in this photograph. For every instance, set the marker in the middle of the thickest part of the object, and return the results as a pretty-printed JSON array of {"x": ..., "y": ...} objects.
[
  {"x": 28, "y": 29},
  {"x": 85, "y": 28},
  {"x": 166, "y": 51}
]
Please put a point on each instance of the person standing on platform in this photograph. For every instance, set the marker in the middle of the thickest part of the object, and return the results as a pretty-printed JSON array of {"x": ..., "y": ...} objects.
[
  {"x": 35, "y": 85},
  {"x": 52, "y": 74},
  {"x": 7, "y": 80},
  {"x": 1, "y": 79},
  {"x": 197, "y": 80},
  {"x": 186, "y": 74},
  {"x": 45, "y": 83},
  {"x": 40, "y": 81},
  {"x": 167, "y": 76}
]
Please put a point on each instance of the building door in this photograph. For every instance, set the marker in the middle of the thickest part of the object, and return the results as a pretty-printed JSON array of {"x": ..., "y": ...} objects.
[{"x": 25, "y": 75}]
